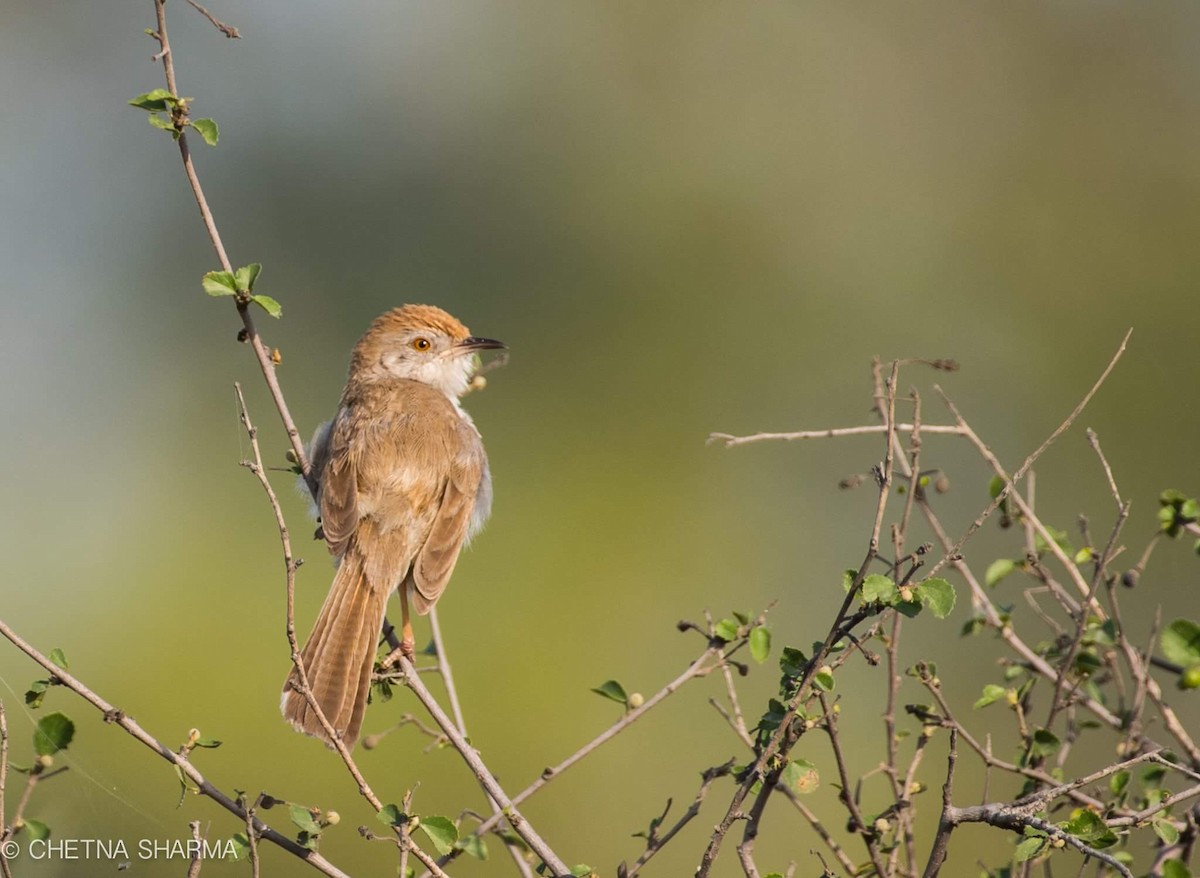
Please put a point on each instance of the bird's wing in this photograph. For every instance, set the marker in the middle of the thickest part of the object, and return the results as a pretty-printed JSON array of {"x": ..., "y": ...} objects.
[
  {"x": 436, "y": 559},
  {"x": 339, "y": 490}
]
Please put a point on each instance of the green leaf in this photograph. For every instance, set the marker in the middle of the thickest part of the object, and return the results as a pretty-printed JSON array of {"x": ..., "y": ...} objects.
[
  {"x": 1084, "y": 555},
  {"x": 879, "y": 588},
  {"x": 995, "y": 486},
  {"x": 613, "y": 690},
  {"x": 582, "y": 871},
  {"x": 241, "y": 845},
  {"x": 760, "y": 643},
  {"x": 154, "y": 101},
  {"x": 1087, "y": 826},
  {"x": 1045, "y": 744},
  {"x": 207, "y": 743},
  {"x": 219, "y": 283},
  {"x": 269, "y": 305},
  {"x": 726, "y": 629},
  {"x": 38, "y": 831},
  {"x": 801, "y": 776},
  {"x": 1165, "y": 830},
  {"x": 1176, "y": 869},
  {"x": 36, "y": 693},
  {"x": 442, "y": 832},
  {"x": 52, "y": 733},
  {"x": 304, "y": 820},
  {"x": 1029, "y": 848},
  {"x": 911, "y": 609},
  {"x": 159, "y": 122},
  {"x": 208, "y": 130},
  {"x": 1181, "y": 642},
  {"x": 474, "y": 846},
  {"x": 848, "y": 577},
  {"x": 938, "y": 595},
  {"x": 824, "y": 681},
  {"x": 991, "y": 694},
  {"x": 245, "y": 276},
  {"x": 997, "y": 570},
  {"x": 59, "y": 658},
  {"x": 391, "y": 816},
  {"x": 1118, "y": 782}
]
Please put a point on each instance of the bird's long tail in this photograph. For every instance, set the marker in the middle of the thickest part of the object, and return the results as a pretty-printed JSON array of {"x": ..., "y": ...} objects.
[{"x": 339, "y": 655}]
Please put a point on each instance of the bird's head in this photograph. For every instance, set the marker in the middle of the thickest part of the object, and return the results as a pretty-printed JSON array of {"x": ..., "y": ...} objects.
[{"x": 420, "y": 343}]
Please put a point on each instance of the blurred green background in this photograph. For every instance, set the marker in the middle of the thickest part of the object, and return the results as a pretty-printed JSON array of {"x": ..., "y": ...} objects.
[{"x": 682, "y": 218}]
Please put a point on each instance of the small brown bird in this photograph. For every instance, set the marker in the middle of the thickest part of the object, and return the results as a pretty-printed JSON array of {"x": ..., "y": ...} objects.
[{"x": 403, "y": 484}]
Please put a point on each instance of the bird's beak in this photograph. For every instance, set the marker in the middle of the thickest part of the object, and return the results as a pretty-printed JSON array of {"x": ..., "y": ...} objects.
[{"x": 475, "y": 343}]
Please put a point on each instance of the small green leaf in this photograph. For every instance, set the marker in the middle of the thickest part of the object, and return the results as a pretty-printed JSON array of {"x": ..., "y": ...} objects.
[
  {"x": 613, "y": 690},
  {"x": 991, "y": 694},
  {"x": 824, "y": 681},
  {"x": 159, "y": 122},
  {"x": 997, "y": 570},
  {"x": 241, "y": 845},
  {"x": 38, "y": 831},
  {"x": 52, "y": 733},
  {"x": 220, "y": 283},
  {"x": 911, "y": 609},
  {"x": 154, "y": 101},
  {"x": 1084, "y": 555},
  {"x": 245, "y": 276},
  {"x": 1118, "y": 782},
  {"x": 1087, "y": 826},
  {"x": 1045, "y": 744},
  {"x": 1029, "y": 848},
  {"x": 938, "y": 595},
  {"x": 1176, "y": 869},
  {"x": 879, "y": 588},
  {"x": 1165, "y": 830},
  {"x": 726, "y": 629},
  {"x": 442, "y": 832},
  {"x": 269, "y": 305},
  {"x": 59, "y": 658},
  {"x": 1181, "y": 642},
  {"x": 304, "y": 820},
  {"x": 474, "y": 846},
  {"x": 36, "y": 693},
  {"x": 582, "y": 871},
  {"x": 801, "y": 776},
  {"x": 848, "y": 577},
  {"x": 995, "y": 486},
  {"x": 760, "y": 643},
  {"x": 391, "y": 816},
  {"x": 208, "y": 130},
  {"x": 207, "y": 743}
]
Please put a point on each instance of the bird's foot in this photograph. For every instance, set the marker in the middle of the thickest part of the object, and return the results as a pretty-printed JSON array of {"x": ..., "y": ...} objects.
[{"x": 405, "y": 649}]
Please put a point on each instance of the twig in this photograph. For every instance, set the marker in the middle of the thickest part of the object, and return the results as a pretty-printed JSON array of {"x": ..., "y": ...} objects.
[
  {"x": 229, "y": 30},
  {"x": 697, "y": 668},
  {"x": 251, "y": 833},
  {"x": 261, "y": 353},
  {"x": 518, "y": 822},
  {"x": 203, "y": 786},
  {"x": 941, "y": 841},
  {"x": 5, "y": 870},
  {"x": 197, "y": 857},
  {"x": 655, "y": 842},
  {"x": 1029, "y": 461},
  {"x": 756, "y": 773},
  {"x": 447, "y": 675},
  {"x": 731, "y": 441}
]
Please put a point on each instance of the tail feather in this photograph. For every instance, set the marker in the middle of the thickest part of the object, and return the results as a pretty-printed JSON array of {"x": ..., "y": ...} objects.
[{"x": 339, "y": 655}]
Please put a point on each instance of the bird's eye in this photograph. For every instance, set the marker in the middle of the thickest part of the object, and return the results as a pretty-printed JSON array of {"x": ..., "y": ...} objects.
[{"x": 421, "y": 344}]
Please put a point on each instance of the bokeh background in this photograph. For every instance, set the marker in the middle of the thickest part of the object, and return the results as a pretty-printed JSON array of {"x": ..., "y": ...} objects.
[{"x": 682, "y": 218}]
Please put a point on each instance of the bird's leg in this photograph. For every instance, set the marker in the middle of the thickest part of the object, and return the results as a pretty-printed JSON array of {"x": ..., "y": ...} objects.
[{"x": 406, "y": 633}]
